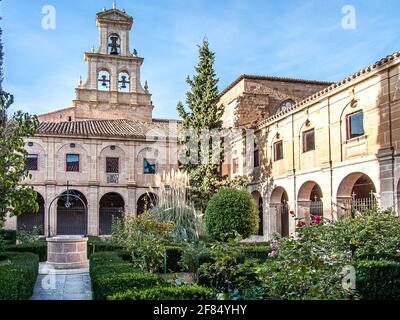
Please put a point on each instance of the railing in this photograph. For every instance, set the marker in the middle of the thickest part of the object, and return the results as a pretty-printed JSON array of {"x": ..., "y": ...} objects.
[
  {"x": 30, "y": 221},
  {"x": 107, "y": 215},
  {"x": 71, "y": 221},
  {"x": 352, "y": 206}
]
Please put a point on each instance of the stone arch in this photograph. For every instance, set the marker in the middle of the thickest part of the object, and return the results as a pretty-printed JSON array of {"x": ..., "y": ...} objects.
[
  {"x": 148, "y": 158},
  {"x": 279, "y": 205},
  {"x": 111, "y": 208},
  {"x": 285, "y": 105},
  {"x": 33, "y": 220},
  {"x": 34, "y": 147},
  {"x": 259, "y": 202},
  {"x": 103, "y": 79},
  {"x": 71, "y": 214},
  {"x": 72, "y": 148},
  {"x": 114, "y": 44},
  {"x": 356, "y": 189},
  {"x": 146, "y": 201},
  {"x": 279, "y": 195},
  {"x": 124, "y": 81},
  {"x": 117, "y": 154},
  {"x": 309, "y": 200}
]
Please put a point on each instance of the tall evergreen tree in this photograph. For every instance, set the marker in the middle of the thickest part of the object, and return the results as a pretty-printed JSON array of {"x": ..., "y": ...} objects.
[{"x": 202, "y": 113}]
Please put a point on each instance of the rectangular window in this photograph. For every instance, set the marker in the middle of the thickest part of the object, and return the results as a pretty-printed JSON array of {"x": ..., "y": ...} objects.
[
  {"x": 235, "y": 165},
  {"x": 308, "y": 140},
  {"x": 31, "y": 162},
  {"x": 256, "y": 158},
  {"x": 149, "y": 166},
  {"x": 355, "y": 125},
  {"x": 112, "y": 165},
  {"x": 278, "y": 151},
  {"x": 72, "y": 163}
]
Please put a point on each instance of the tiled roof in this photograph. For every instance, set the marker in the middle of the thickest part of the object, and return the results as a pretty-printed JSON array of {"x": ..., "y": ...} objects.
[
  {"x": 334, "y": 86},
  {"x": 104, "y": 128},
  {"x": 271, "y": 78}
]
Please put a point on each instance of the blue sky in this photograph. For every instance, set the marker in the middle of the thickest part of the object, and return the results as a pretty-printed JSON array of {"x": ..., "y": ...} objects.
[{"x": 302, "y": 39}]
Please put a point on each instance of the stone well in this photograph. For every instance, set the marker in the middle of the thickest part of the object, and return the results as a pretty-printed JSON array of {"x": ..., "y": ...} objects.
[{"x": 67, "y": 252}]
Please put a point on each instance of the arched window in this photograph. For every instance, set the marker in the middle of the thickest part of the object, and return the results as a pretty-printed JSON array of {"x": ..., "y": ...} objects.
[
  {"x": 103, "y": 82},
  {"x": 123, "y": 82},
  {"x": 114, "y": 44},
  {"x": 285, "y": 105}
]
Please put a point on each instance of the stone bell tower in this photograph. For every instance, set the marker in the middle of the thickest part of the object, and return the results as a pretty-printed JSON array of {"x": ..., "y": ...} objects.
[{"x": 113, "y": 89}]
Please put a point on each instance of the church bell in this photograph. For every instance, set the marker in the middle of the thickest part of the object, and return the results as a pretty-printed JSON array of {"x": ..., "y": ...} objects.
[{"x": 114, "y": 45}]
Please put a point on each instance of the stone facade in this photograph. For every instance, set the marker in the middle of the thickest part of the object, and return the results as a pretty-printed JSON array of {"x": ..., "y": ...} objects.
[
  {"x": 340, "y": 169},
  {"x": 104, "y": 123},
  {"x": 251, "y": 99}
]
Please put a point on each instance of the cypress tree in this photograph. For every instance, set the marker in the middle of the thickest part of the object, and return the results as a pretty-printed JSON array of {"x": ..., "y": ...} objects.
[{"x": 202, "y": 113}]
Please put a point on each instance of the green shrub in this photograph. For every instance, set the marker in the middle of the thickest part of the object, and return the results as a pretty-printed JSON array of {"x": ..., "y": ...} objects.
[
  {"x": 305, "y": 268},
  {"x": 145, "y": 240},
  {"x": 9, "y": 236},
  {"x": 166, "y": 293},
  {"x": 228, "y": 273},
  {"x": 105, "y": 258},
  {"x": 29, "y": 236},
  {"x": 38, "y": 247},
  {"x": 174, "y": 254},
  {"x": 256, "y": 252},
  {"x": 378, "y": 280},
  {"x": 111, "y": 274},
  {"x": 230, "y": 211},
  {"x": 96, "y": 244},
  {"x": 18, "y": 272},
  {"x": 108, "y": 284},
  {"x": 372, "y": 235}
]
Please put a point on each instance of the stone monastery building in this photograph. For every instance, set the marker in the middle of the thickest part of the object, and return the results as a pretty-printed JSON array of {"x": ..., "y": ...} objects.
[{"x": 320, "y": 148}]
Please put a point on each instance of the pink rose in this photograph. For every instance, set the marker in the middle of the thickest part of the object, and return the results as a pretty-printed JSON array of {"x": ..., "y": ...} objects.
[{"x": 316, "y": 219}]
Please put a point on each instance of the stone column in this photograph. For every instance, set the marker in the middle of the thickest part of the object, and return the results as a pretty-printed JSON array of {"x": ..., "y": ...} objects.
[
  {"x": 387, "y": 188},
  {"x": 130, "y": 205},
  {"x": 10, "y": 223},
  {"x": 49, "y": 197},
  {"x": 93, "y": 209}
]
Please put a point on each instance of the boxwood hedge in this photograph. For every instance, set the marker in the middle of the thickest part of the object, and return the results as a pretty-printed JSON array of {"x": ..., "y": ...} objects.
[
  {"x": 378, "y": 279},
  {"x": 184, "y": 292},
  {"x": 110, "y": 274},
  {"x": 18, "y": 272}
]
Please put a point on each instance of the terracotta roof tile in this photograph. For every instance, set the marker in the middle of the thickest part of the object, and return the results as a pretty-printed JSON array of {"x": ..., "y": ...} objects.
[{"x": 103, "y": 128}]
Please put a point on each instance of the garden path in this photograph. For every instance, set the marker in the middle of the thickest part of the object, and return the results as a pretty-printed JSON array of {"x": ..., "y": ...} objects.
[{"x": 62, "y": 284}]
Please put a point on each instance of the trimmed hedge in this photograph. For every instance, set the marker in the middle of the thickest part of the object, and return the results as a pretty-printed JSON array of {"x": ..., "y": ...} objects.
[
  {"x": 39, "y": 248},
  {"x": 256, "y": 252},
  {"x": 111, "y": 274},
  {"x": 18, "y": 272},
  {"x": 185, "y": 292},
  {"x": 231, "y": 210},
  {"x": 95, "y": 244},
  {"x": 174, "y": 254},
  {"x": 9, "y": 236},
  {"x": 378, "y": 280},
  {"x": 108, "y": 284}
]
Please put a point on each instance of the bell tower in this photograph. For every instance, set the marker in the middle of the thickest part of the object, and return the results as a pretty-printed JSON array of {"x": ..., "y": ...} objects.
[{"x": 113, "y": 89}]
